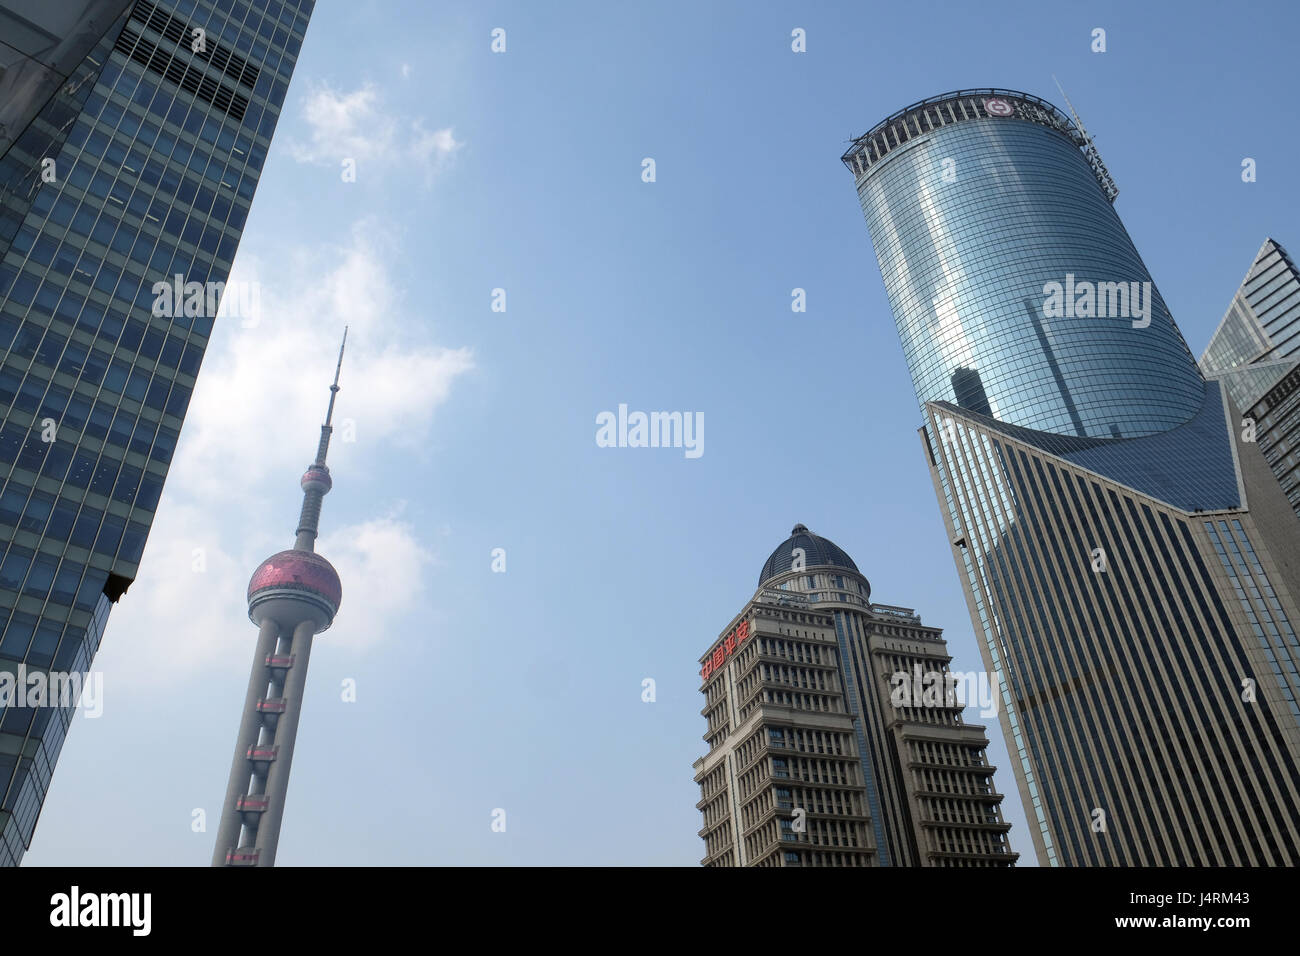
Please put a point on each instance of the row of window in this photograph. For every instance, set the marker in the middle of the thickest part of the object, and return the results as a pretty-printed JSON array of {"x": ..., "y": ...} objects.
[
  {"x": 280, "y": 17},
  {"x": 128, "y": 339},
  {"x": 61, "y": 519},
  {"x": 811, "y": 770},
  {"x": 42, "y": 576},
  {"x": 819, "y": 703},
  {"x": 63, "y": 461},
  {"x": 93, "y": 370}
]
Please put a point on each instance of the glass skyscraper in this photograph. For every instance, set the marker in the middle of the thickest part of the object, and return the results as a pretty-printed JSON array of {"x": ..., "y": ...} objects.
[
  {"x": 1256, "y": 351},
  {"x": 133, "y": 137},
  {"x": 1131, "y": 566},
  {"x": 979, "y": 234}
]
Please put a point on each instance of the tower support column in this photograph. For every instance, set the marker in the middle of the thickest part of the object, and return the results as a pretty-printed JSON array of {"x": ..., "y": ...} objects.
[
  {"x": 286, "y": 732},
  {"x": 249, "y": 725}
]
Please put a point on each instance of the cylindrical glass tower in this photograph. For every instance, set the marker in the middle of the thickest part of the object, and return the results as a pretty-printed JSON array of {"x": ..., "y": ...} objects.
[{"x": 982, "y": 204}]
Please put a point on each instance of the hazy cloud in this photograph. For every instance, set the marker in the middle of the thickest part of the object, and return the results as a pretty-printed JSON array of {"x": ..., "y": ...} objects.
[{"x": 354, "y": 125}]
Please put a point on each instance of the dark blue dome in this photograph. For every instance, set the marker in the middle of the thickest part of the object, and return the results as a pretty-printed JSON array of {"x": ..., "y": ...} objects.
[{"x": 817, "y": 551}]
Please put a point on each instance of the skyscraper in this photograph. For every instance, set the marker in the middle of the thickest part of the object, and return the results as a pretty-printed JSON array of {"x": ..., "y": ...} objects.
[
  {"x": 1130, "y": 564},
  {"x": 824, "y": 748},
  {"x": 1256, "y": 352},
  {"x": 292, "y": 597},
  {"x": 133, "y": 138}
]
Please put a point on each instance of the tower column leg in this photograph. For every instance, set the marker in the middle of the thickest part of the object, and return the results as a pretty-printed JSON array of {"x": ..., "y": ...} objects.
[
  {"x": 249, "y": 724},
  {"x": 286, "y": 731}
]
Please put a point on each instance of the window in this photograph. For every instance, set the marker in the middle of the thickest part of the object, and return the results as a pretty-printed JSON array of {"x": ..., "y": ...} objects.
[
  {"x": 61, "y": 520},
  {"x": 105, "y": 476},
  {"x": 100, "y": 418},
  {"x": 91, "y": 587},
  {"x": 110, "y": 534},
  {"x": 143, "y": 437},
  {"x": 137, "y": 384},
  {"x": 37, "y": 513},
  {"x": 116, "y": 377},
  {"x": 14, "y": 568},
  {"x": 65, "y": 585},
  {"x": 127, "y": 485},
  {"x": 17, "y": 636},
  {"x": 150, "y": 491},
  {"x": 41, "y": 576},
  {"x": 12, "y": 503},
  {"x": 133, "y": 542},
  {"x": 93, "y": 373},
  {"x": 83, "y": 221},
  {"x": 83, "y": 533}
]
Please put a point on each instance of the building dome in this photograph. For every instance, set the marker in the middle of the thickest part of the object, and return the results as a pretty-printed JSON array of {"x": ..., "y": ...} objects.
[
  {"x": 817, "y": 552},
  {"x": 295, "y": 585},
  {"x": 317, "y": 478}
]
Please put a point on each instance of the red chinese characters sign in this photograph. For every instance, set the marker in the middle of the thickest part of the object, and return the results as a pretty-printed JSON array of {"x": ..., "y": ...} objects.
[{"x": 725, "y": 650}]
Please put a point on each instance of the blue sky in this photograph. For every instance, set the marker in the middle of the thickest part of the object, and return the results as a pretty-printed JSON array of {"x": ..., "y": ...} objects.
[{"x": 475, "y": 429}]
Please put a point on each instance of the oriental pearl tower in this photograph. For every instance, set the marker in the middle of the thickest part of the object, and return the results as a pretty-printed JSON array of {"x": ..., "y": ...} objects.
[{"x": 292, "y": 597}]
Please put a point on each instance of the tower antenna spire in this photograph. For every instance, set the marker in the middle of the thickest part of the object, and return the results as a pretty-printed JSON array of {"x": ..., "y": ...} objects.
[
  {"x": 327, "y": 429},
  {"x": 334, "y": 388}
]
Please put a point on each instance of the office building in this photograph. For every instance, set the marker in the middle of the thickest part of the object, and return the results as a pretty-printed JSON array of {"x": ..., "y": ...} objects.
[
  {"x": 1131, "y": 566},
  {"x": 1256, "y": 352},
  {"x": 824, "y": 748},
  {"x": 133, "y": 136}
]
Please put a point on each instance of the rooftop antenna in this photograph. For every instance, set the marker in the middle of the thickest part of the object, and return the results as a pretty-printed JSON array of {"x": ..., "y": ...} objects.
[
  {"x": 1090, "y": 150},
  {"x": 327, "y": 429},
  {"x": 334, "y": 388}
]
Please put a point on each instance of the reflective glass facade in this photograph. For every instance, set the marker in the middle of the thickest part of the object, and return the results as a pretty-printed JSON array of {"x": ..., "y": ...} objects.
[
  {"x": 158, "y": 141},
  {"x": 1129, "y": 560},
  {"x": 1256, "y": 354},
  {"x": 971, "y": 217}
]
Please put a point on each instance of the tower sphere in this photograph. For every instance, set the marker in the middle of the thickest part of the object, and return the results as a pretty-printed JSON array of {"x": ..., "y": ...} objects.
[{"x": 295, "y": 586}]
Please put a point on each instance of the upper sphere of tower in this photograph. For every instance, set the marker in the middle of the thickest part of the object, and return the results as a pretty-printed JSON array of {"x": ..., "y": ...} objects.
[{"x": 317, "y": 478}]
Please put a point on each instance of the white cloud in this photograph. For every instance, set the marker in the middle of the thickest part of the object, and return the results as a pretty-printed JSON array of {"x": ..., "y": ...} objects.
[
  {"x": 354, "y": 125},
  {"x": 382, "y": 567},
  {"x": 184, "y": 609}
]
